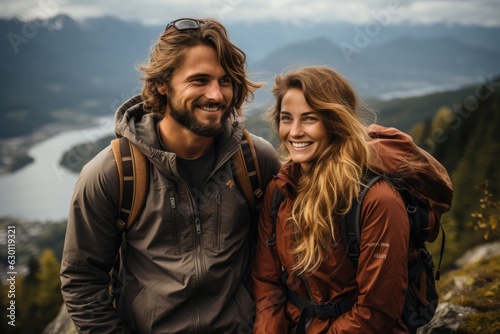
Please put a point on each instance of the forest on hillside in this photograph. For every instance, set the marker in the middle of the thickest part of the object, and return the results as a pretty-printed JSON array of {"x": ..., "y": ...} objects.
[{"x": 465, "y": 138}]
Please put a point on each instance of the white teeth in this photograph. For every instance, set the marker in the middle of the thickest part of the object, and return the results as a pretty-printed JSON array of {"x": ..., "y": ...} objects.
[
  {"x": 210, "y": 108},
  {"x": 300, "y": 145}
]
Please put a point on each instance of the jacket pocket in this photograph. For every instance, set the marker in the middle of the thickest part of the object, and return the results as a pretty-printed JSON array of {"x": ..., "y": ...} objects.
[{"x": 143, "y": 309}]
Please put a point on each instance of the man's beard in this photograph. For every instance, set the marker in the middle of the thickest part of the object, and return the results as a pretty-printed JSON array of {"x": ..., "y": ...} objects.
[{"x": 186, "y": 118}]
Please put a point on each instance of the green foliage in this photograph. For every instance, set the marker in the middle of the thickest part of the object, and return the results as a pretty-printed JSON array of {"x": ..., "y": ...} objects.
[
  {"x": 418, "y": 132},
  {"x": 439, "y": 121},
  {"x": 37, "y": 295},
  {"x": 488, "y": 216},
  {"x": 48, "y": 297},
  {"x": 480, "y": 159}
]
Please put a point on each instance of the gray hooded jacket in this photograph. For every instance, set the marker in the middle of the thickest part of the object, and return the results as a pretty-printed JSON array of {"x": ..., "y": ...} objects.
[{"x": 187, "y": 258}]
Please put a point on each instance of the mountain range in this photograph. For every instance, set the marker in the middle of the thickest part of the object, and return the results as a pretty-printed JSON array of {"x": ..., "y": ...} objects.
[{"x": 63, "y": 70}]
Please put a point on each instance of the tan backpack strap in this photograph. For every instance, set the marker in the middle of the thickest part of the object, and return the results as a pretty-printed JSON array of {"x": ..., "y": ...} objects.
[
  {"x": 115, "y": 146},
  {"x": 247, "y": 172},
  {"x": 133, "y": 173}
]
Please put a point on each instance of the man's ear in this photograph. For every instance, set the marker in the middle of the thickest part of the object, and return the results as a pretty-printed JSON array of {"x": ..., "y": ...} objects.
[{"x": 162, "y": 89}]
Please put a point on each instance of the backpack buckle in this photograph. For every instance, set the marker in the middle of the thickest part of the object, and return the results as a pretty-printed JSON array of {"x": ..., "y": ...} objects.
[
  {"x": 327, "y": 310},
  {"x": 426, "y": 257}
]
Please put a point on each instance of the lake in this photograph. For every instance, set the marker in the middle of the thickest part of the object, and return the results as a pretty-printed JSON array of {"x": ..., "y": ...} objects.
[{"x": 42, "y": 190}]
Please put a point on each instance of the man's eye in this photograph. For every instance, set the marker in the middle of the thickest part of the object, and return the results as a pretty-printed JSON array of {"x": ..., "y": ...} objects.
[{"x": 200, "y": 81}]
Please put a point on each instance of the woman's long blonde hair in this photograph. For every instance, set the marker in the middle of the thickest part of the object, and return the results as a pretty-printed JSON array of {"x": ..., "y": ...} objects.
[{"x": 326, "y": 190}]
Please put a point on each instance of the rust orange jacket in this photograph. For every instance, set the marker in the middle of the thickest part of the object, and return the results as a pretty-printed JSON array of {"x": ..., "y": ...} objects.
[{"x": 378, "y": 285}]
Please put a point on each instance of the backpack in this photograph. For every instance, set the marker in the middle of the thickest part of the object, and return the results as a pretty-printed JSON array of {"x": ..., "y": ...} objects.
[
  {"x": 426, "y": 189},
  {"x": 133, "y": 173}
]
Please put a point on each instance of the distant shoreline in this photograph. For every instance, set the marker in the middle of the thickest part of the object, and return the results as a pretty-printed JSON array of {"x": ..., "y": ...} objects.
[{"x": 14, "y": 151}]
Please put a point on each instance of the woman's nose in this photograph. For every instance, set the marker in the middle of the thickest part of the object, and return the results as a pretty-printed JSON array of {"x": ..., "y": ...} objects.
[{"x": 296, "y": 130}]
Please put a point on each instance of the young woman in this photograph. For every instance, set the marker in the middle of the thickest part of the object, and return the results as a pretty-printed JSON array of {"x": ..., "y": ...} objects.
[{"x": 302, "y": 257}]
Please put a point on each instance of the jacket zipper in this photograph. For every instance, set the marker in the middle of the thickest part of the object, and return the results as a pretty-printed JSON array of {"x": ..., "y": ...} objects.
[
  {"x": 199, "y": 323},
  {"x": 198, "y": 229},
  {"x": 199, "y": 262},
  {"x": 198, "y": 259}
]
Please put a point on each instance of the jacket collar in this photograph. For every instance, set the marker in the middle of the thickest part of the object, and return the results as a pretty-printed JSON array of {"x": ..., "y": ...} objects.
[{"x": 287, "y": 179}]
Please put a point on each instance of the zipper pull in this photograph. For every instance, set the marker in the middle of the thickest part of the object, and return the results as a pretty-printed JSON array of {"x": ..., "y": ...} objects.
[
  {"x": 197, "y": 225},
  {"x": 172, "y": 202},
  {"x": 217, "y": 199}
]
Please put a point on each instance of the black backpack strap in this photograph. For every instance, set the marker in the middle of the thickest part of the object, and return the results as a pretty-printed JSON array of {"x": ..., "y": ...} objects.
[
  {"x": 418, "y": 215},
  {"x": 441, "y": 253},
  {"x": 351, "y": 223},
  {"x": 309, "y": 310},
  {"x": 277, "y": 199}
]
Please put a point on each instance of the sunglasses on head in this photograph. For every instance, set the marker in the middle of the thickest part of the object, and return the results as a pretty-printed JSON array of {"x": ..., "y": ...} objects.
[{"x": 184, "y": 24}]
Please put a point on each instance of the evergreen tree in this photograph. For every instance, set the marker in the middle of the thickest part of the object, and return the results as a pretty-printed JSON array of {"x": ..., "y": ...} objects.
[
  {"x": 48, "y": 297},
  {"x": 27, "y": 297}
]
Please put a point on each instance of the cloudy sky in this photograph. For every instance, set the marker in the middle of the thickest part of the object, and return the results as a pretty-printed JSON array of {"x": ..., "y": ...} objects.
[{"x": 300, "y": 12}]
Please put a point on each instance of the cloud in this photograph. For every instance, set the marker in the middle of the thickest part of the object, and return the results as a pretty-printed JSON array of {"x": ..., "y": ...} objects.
[{"x": 299, "y": 12}]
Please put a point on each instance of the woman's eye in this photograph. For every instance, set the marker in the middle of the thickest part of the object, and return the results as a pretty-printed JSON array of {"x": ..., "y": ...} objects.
[{"x": 225, "y": 81}]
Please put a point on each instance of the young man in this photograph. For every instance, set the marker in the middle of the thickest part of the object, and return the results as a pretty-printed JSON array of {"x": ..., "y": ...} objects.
[{"x": 187, "y": 257}]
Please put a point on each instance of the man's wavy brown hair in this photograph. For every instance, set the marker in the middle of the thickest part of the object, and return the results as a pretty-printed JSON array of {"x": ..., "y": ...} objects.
[{"x": 168, "y": 54}]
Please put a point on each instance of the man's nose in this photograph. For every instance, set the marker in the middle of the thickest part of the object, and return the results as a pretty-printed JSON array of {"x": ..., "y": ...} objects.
[{"x": 214, "y": 92}]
